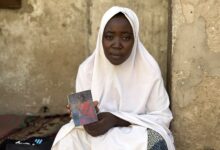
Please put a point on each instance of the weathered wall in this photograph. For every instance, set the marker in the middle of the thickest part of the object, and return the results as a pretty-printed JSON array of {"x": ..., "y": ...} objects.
[
  {"x": 42, "y": 44},
  {"x": 196, "y": 74}
]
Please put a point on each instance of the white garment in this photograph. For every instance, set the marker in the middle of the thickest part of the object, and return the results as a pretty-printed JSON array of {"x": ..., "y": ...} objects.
[{"x": 133, "y": 91}]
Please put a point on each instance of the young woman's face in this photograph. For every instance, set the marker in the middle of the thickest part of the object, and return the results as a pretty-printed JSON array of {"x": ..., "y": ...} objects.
[{"x": 118, "y": 39}]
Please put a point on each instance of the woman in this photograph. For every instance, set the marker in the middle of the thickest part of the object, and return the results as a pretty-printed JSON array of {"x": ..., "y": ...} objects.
[{"x": 133, "y": 104}]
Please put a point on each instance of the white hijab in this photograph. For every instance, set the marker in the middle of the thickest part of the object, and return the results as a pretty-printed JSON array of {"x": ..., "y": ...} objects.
[
  {"x": 131, "y": 81},
  {"x": 133, "y": 90}
]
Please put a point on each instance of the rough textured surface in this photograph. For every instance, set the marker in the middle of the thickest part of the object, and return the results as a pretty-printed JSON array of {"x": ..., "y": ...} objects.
[
  {"x": 196, "y": 74},
  {"x": 40, "y": 49},
  {"x": 42, "y": 44}
]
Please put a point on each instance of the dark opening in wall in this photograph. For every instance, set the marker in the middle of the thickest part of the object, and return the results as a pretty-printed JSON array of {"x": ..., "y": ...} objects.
[{"x": 10, "y": 4}]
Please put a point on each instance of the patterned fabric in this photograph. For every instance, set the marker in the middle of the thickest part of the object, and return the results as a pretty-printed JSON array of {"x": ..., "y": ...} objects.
[{"x": 155, "y": 141}]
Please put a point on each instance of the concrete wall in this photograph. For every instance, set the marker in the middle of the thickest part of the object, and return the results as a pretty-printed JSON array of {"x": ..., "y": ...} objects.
[
  {"x": 42, "y": 44},
  {"x": 196, "y": 74}
]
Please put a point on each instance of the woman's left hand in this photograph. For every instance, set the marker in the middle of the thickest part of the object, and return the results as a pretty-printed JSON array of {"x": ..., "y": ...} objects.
[{"x": 105, "y": 122}]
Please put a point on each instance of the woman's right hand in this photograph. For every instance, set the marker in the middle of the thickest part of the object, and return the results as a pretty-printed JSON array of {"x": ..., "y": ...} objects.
[
  {"x": 96, "y": 106},
  {"x": 68, "y": 110}
]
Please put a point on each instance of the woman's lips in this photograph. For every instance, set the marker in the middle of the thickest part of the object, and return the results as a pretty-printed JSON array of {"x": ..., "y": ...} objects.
[{"x": 115, "y": 56}]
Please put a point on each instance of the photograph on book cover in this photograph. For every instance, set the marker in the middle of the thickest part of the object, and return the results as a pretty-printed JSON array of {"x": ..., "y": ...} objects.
[{"x": 82, "y": 108}]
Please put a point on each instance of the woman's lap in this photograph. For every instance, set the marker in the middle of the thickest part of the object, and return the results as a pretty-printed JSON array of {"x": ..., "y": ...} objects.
[{"x": 155, "y": 141}]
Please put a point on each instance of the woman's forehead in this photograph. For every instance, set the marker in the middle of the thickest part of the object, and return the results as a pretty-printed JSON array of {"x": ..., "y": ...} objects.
[{"x": 119, "y": 22}]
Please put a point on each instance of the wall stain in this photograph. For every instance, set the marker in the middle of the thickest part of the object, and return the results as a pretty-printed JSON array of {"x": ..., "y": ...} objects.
[{"x": 26, "y": 7}]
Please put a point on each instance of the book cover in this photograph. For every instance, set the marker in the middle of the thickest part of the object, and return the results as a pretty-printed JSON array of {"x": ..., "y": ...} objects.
[{"x": 82, "y": 108}]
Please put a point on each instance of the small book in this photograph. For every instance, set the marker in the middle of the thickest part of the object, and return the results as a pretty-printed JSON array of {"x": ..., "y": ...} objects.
[{"x": 82, "y": 108}]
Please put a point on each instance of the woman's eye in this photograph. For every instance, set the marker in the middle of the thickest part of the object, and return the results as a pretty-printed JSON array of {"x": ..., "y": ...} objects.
[
  {"x": 126, "y": 38},
  {"x": 108, "y": 37}
]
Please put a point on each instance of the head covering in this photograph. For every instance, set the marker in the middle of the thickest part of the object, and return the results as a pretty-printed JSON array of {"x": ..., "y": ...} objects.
[{"x": 125, "y": 87}]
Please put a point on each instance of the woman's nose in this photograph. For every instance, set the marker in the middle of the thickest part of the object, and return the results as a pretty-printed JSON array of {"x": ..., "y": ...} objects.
[{"x": 117, "y": 43}]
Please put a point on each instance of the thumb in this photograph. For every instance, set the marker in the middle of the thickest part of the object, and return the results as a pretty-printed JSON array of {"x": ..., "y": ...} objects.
[
  {"x": 96, "y": 106},
  {"x": 95, "y": 103}
]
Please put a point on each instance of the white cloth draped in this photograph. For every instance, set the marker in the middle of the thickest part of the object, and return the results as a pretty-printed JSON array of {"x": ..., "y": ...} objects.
[{"x": 133, "y": 91}]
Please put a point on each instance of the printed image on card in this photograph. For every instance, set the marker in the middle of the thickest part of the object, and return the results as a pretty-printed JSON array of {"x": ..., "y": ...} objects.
[{"x": 82, "y": 108}]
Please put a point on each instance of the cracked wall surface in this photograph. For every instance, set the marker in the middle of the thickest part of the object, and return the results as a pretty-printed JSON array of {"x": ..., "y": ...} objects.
[
  {"x": 196, "y": 74},
  {"x": 42, "y": 44}
]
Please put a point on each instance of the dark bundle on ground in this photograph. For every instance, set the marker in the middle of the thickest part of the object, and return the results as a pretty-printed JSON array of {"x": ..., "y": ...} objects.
[{"x": 24, "y": 127}]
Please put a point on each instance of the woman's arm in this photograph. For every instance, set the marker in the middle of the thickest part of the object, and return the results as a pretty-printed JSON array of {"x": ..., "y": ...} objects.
[
  {"x": 118, "y": 122},
  {"x": 105, "y": 122}
]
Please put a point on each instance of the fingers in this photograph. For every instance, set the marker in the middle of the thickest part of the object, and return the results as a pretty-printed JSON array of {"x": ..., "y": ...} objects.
[
  {"x": 90, "y": 131},
  {"x": 92, "y": 126},
  {"x": 68, "y": 106},
  {"x": 96, "y": 109},
  {"x": 95, "y": 103},
  {"x": 101, "y": 126},
  {"x": 94, "y": 129},
  {"x": 104, "y": 115},
  {"x": 96, "y": 106},
  {"x": 68, "y": 110}
]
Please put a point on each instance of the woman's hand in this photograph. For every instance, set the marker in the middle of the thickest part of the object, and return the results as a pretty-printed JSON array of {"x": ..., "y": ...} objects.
[
  {"x": 105, "y": 122},
  {"x": 68, "y": 110}
]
